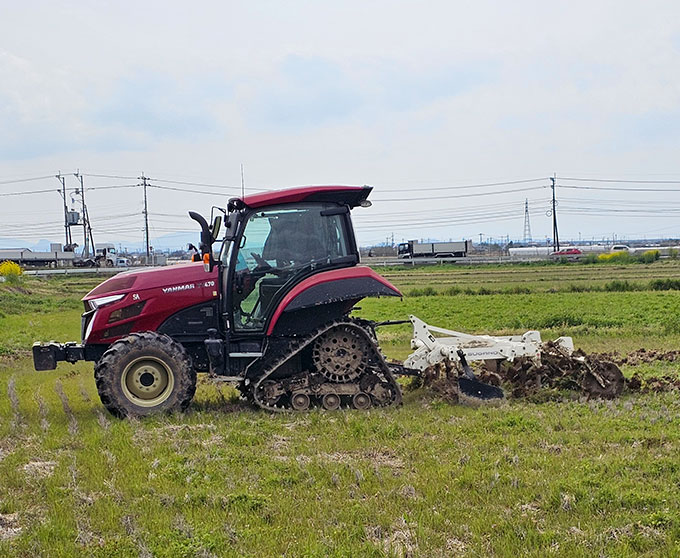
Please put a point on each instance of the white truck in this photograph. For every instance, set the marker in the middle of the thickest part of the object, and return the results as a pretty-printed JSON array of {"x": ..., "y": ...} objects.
[
  {"x": 105, "y": 255},
  {"x": 415, "y": 249},
  {"x": 27, "y": 257}
]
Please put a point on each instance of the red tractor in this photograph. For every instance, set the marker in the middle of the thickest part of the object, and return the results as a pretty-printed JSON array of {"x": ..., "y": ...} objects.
[{"x": 270, "y": 314}]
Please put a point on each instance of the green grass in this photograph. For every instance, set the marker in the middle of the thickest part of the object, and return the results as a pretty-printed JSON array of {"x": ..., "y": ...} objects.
[
  {"x": 567, "y": 478},
  {"x": 543, "y": 277}
]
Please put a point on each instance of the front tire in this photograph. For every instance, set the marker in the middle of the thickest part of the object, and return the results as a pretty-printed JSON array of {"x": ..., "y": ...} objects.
[{"x": 144, "y": 374}]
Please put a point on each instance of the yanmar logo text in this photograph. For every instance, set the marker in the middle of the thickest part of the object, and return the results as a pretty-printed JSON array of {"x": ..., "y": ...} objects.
[{"x": 178, "y": 288}]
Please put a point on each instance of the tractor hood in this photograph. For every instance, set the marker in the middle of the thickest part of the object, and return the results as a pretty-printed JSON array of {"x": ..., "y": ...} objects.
[
  {"x": 169, "y": 279},
  {"x": 144, "y": 300}
]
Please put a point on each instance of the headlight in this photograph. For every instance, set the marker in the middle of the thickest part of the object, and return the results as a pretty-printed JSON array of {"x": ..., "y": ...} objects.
[{"x": 104, "y": 300}]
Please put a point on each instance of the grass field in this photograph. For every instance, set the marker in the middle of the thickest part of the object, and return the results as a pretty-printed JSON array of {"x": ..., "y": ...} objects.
[{"x": 565, "y": 478}]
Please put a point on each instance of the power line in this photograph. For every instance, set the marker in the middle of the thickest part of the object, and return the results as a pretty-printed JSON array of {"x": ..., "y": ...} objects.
[
  {"x": 461, "y": 195},
  {"x": 220, "y": 186},
  {"x": 573, "y": 187},
  {"x": 110, "y": 176},
  {"x": 115, "y": 187},
  {"x": 466, "y": 186},
  {"x": 8, "y": 194},
  {"x": 26, "y": 179},
  {"x": 620, "y": 180},
  {"x": 90, "y": 188},
  {"x": 174, "y": 189}
]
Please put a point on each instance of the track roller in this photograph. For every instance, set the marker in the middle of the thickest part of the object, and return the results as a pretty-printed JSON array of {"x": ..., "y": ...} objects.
[
  {"x": 361, "y": 401},
  {"x": 300, "y": 401},
  {"x": 331, "y": 401}
]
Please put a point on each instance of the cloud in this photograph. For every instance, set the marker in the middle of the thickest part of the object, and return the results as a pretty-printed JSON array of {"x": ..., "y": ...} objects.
[
  {"x": 47, "y": 113},
  {"x": 302, "y": 93},
  {"x": 646, "y": 130},
  {"x": 307, "y": 92},
  {"x": 158, "y": 107}
]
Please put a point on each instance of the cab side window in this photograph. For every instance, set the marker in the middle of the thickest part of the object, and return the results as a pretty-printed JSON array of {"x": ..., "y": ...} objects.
[{"x": 279, "y": 245}]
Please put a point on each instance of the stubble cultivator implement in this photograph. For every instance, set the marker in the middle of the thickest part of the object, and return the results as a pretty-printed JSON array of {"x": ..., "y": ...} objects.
[{"x": 270, "y": 314}]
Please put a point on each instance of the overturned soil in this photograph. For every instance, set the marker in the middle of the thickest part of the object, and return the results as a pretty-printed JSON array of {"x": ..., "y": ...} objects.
[
  {"x": 645, "y": 384},
  {"x": 595, "y": 375}
]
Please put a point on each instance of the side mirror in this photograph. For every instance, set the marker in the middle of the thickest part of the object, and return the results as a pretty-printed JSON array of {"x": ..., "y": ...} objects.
[
  {"x": 215, "y": 229},
  {"x": 230, "y": 226},
  {"x": 206, "y": 240}
]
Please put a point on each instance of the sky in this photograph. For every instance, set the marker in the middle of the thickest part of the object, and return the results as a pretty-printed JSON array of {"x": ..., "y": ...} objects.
[{"x": 455, "y": 112}]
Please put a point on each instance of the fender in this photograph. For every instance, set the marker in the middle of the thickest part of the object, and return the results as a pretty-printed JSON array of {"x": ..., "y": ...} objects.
[{"x": 328, "y": 287}]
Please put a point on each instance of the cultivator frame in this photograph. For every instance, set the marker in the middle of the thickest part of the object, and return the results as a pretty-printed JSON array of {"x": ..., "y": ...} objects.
[{"x": 458, "y": 346}]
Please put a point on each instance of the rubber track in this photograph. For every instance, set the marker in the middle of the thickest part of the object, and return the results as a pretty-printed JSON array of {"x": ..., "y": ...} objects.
[{"x": 298, "y": 345}]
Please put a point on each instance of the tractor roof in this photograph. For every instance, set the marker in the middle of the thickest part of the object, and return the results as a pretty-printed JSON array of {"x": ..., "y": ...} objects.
[{"x": 350, "y": 195}]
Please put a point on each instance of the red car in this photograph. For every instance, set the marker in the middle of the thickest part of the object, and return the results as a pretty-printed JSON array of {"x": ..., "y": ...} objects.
[{"x": 569, "y": 253}]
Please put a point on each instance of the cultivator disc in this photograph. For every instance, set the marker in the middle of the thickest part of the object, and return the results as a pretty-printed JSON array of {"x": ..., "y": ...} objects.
[
  {"x": 449, "y": 381},
  {"x": 473, "y": 388}
]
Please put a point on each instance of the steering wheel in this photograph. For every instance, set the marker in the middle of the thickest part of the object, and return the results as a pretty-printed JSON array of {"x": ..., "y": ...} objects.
[{"x": 262, "y": 264}]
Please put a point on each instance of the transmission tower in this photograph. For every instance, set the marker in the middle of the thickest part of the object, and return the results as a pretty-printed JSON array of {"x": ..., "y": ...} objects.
[
  {"x": 527, "y": 225},
  {"x": 556, "y": 236}
]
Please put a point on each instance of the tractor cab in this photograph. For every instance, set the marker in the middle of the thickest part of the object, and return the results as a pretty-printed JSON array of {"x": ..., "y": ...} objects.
[
  {"x": 276, "y": 248},
  {"x": 275, "y": 240}
]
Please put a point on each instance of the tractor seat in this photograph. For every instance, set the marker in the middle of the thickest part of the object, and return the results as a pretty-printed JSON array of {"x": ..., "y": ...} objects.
[{"x": 269, "y": 286}]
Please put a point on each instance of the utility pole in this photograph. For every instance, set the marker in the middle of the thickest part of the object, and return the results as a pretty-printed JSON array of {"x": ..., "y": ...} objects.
[
  {"x": 556, "y": 236},
  {"x": 146, "y": 219},
  {"x": 67, "y": 229},
  {"x": 527, "y": 225},
  {"x": 87, "y": 228}
]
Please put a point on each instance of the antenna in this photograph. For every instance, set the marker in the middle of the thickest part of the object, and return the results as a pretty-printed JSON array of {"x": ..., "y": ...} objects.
[
  {"x": 527, "y": 225},
  {"x": 243, "y": 183}
]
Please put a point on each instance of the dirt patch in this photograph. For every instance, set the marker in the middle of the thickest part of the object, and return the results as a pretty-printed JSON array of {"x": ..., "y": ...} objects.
[
  {"x": 398, "y": 541},
  {"x": 175, "y": 433},
  {"x": 175, "y": 428},
  {"x": 640, "y": 356},
  {"x": 40, "y": 469},
  {"x": 409, "y": 492},
  {"x": 384, "y": 458},
  {"x": 279, "y": 443},
  {"x": 652, "y": 383},
  {"x": 9, "y": 526}
]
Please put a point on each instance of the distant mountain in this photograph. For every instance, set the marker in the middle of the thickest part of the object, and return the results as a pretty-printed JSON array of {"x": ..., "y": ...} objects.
[
  {"x": 172, "y": 241},
  {"x": 40, "y": 246}
]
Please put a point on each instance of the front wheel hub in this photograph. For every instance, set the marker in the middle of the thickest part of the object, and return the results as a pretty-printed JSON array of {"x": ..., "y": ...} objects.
[{"x": 147, "y": 381}]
